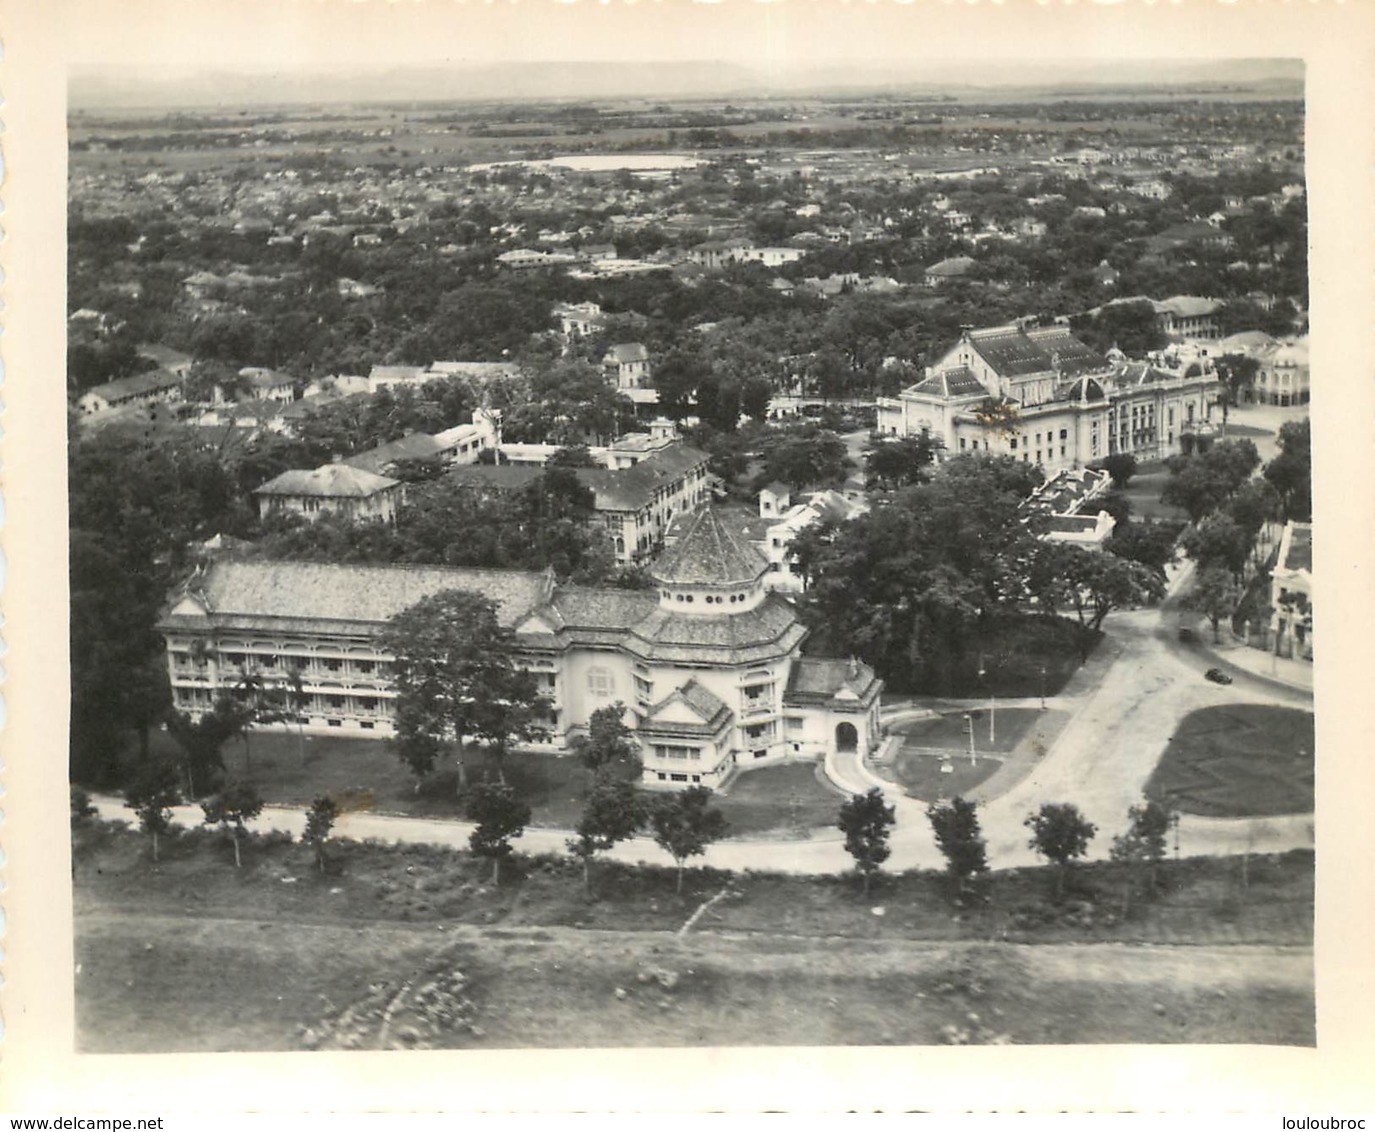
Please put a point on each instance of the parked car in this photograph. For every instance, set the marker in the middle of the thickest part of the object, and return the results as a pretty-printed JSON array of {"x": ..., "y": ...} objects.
[
  {"x": 1187, "y": 636},
  {"x": 1217, "y": 676}
]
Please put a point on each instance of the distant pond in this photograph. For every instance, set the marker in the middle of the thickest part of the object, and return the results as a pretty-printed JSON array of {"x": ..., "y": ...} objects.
[{"x": 603, "y": 162}]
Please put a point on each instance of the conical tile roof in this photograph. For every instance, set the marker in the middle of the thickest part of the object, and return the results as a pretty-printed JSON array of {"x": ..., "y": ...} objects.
[{"x": 708, "y": 554}]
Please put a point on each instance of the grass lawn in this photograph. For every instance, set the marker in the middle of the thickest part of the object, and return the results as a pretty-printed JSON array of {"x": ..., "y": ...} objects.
[
  {"x": 930, "y": 777},
  {"x": 934, "y": 763},
  {"x": 403, "y": 946},
  {"x": 949, "y": 732},
  {"x": 370, "y": 776},
  {"x": 787, "y": 797},
  {"x": 1144, "y": 490},
  {"x": 1238, "y": 761},
  {"x": 1244, "y": 431}
]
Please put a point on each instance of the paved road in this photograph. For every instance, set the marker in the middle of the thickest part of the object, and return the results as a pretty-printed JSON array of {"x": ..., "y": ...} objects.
[{"x": 1123, "y": 718}]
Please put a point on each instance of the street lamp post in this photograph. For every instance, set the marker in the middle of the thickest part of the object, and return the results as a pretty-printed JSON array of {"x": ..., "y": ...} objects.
[
  {"x": 969, "y": 723},
  {"x": 1043, "y": 687},
  {"x": 992, "y": 706}
]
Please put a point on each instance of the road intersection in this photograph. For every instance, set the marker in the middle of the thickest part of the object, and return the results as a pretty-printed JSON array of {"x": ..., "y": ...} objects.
[{"x": 1123, "y": 714}]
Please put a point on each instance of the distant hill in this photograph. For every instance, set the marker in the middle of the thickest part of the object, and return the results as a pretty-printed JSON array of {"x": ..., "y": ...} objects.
[{"x": 114, "y": 87}]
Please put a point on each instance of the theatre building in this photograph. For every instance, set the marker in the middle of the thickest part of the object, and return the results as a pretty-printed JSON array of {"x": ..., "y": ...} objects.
[
  {"x": 708, "y": 663},
  {"x": 1044, "y": 397}
]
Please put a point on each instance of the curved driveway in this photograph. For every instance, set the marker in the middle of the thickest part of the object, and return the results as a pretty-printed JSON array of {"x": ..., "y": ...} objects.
[{"x": 1100, "y": 762}]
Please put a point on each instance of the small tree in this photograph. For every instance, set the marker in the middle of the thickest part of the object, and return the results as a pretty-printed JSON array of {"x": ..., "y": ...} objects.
[
  {"x": 296, "y": 702},
  {"x": 507, "y": 708},
  {"x": 612, "y": 814},
  {"x": 865, "y": 820},
  {"x": 500, "y": 816},
  {"x": 255, "y": 701},
  {"x": 1121, "y": 466},
  {"x": 417, "y": 745},
  {"x": 956, "y": 826},
  {"x": 609, "y": 742},
  {"x": 202, "y": 741},
  {"x": 319, "y": 824},
  {"x": 1060, "y": 833},
  {"x": 1144, "y": 844},
  {"x": 684, "y": 824},
  {"x": 1216, "y": 595},
  {"x": 455, "y": 677},
  {"x": 151, "y": 795},
  {"x": 237, "y": 803}
]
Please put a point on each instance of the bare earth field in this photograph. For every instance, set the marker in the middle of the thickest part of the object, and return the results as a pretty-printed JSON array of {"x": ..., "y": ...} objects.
[
  {"x": 414, "y": 947},
  {"x": 266, "y": 985}
]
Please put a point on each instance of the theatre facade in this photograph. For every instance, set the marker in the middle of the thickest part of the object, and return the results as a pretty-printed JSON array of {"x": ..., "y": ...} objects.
[{"x": 708, "y": 663}]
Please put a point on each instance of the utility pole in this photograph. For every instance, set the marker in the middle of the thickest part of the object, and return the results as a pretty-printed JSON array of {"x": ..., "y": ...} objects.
[
  {"x": 992, "y": 704},
  {"x": 969, "y": 725}
]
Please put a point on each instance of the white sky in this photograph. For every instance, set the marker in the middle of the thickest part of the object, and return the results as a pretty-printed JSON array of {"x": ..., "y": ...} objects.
[{"x": 175, "y": 36}]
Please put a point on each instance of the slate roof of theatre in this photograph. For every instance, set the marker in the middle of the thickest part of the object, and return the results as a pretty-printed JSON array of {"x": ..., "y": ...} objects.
[
  {"x": 709, "y": 553},
  {"x": 1012, "y": 352},
  {"x": 318, "y": 596},
  {"x": 334, "y": 481},
  {"x": 958, "y": 382}
]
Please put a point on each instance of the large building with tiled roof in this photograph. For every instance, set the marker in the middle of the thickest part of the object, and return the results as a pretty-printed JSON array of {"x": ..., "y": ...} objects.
[
  {"x": 708, "y": 663},
  {"x": 636, "y": 503},
  {"x": 354, "y": 494},
  {"x": 149, "y": 388},
  {"x": 1043, "y": 396}
]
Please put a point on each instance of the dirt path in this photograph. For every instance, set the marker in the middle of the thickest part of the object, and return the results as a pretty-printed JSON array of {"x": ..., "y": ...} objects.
[{"x": 267, "y": 984}]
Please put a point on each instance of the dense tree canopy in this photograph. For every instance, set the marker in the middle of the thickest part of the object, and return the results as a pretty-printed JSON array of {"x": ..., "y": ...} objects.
[
  {"x": 455, "y": 677},
  {"x": 1291, "y": 472},
  {"x": 908, "y": 585},
  {"x": 1202, "y": 482}
]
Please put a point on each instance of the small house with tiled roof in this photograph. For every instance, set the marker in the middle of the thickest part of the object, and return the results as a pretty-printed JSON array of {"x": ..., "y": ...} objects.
[
  {"x": 708, "y": 664},
  {"x": 1065, "y": 510},
  {"x": 626, "y": 365},
  {"x": 342, "y": 490},
  {"x": 956, "y": 267}
]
